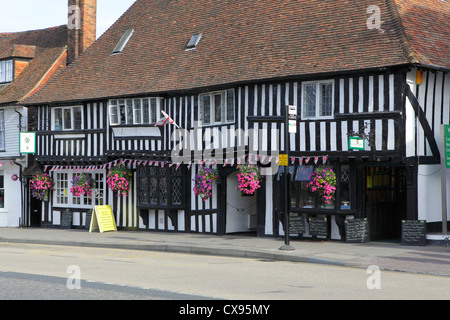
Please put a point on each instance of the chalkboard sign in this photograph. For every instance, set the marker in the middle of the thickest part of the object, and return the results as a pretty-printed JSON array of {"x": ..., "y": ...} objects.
[
  {"x": 66, "y": 219},
  {"x": 296, "y": 224},
  {"x": 357, "y": 230},
  {"x": 318, "y": 226},
  {"x": 414, "y": 232},
  {"x": 88, "y": 220}
]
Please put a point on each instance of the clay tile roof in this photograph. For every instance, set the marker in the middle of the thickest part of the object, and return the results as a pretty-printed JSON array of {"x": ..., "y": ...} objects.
[
  {"x": 45, "y": 47},
  {"x": 19, "y": 51},
  {"x": 244, "y": 41},
  {"x": 426, "y": 24}
]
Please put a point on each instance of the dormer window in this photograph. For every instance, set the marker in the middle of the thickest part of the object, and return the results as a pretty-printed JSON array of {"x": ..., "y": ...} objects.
[
  {"x": 195, "y": 39},
  {"x": 123, "y": 41},
  {"x": 6, "y": 71}
]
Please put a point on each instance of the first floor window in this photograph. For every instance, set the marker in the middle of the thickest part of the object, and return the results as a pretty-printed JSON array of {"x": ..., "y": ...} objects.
[
  {"x": 317, "y": 99},
  {"x": 217, "y": 107},
  {"x": 63, "y": 195},
  {"x": 134, "y": 111},
  {"x": 67, "y": 118}
]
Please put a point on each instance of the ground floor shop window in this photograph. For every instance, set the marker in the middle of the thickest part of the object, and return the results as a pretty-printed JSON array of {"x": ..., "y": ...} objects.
[
  {"x": 160, "y": 187},
  {"x": 2, "y": 191},
  {"x": 345, "y": 186},
  {"x": 303, "y": 196},
  {"x": 63, "y": 196}
]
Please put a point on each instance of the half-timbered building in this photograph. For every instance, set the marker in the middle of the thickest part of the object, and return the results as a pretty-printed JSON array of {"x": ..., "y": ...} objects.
[{"x": 225, "y": 72}]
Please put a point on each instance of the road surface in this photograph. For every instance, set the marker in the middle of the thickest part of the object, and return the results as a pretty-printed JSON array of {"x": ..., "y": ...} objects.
[{"x": 58, "y": 272}]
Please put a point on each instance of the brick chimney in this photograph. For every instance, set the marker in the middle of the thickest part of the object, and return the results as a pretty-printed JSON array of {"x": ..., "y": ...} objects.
[{"x": 82, "y": 27}]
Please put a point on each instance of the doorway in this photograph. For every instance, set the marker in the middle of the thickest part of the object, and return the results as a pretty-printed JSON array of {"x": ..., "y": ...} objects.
[
  {"x": 241, "y": 210},
  {"x": 385, "y": 201},
  {"x": 35, "y": 212}
]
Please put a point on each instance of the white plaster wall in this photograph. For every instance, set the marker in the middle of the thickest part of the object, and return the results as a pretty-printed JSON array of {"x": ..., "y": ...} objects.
[
  {"x": 269, "y": 206},
  {"x": 429, "y": 193},
  {"x": 241, "y": 210},
  {"x": 11, "y": 213}
]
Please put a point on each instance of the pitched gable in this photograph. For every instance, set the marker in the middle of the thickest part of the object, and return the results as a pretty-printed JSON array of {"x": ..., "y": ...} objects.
[{"x": 41, "y": 49}]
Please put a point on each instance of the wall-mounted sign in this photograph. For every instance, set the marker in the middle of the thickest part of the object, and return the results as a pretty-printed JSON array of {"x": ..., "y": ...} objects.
[
  {"x": 356, "y": 143},
  {"x": 447, "y": 145},
  {"x": 292, "y": 126},
  {"x": 283, "y": 158},
  {"x": 27, "y": 142},
  {"x": 292, "y": 117}
]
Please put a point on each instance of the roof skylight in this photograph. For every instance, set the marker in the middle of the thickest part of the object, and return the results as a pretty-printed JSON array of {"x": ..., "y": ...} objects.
[
  {"x": 195, "y": 39},
  {"x": 123, "y": 41}
]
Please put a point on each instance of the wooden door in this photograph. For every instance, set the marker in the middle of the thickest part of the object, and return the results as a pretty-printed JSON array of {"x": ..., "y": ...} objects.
[{"x": 385, "y": 201}]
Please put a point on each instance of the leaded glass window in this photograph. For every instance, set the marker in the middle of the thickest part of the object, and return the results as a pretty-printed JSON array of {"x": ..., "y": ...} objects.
[{"x": 160, "y": 187}]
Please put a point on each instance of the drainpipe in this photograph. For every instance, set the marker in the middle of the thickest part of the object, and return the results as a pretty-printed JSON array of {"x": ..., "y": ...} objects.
[{"x": 22, "y": 208}]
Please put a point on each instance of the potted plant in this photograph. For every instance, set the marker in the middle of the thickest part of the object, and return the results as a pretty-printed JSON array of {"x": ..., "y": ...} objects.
[
  {"x": 82, "y": 185},
  {"x": 203, "y": 182},
  {"x": 249, "y": 177},
  {"x": 323, "y": 181},
  {"x": 40, "y": 186},
  {"x": 119, "y": 180}
]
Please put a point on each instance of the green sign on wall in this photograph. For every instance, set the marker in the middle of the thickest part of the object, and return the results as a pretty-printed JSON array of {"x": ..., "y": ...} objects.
[
  {"x": 447, "y": 145},
  {"x": 356, "y": 143}
]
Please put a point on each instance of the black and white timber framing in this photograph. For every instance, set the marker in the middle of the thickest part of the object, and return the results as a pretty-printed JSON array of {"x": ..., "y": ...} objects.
[{"x": 403, "y": 118}]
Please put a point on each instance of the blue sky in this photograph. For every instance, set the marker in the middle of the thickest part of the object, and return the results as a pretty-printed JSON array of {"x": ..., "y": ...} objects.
[{"x": 23, "y": 15}]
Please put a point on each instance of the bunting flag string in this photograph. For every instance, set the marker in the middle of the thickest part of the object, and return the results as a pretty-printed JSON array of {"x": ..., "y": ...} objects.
[
  {"x": 250, "y": 158},
  {"x": 6, "y": 162}
]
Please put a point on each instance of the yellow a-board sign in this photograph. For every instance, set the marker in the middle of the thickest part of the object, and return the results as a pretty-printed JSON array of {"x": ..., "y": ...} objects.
[{"x": 102, "y": 219}]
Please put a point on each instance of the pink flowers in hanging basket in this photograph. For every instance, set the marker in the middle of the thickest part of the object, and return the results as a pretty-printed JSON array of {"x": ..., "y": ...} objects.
[
  {"x": 119, "y": 180},
  {"x": 203, "y": 182},
  {"x": 82, "y": 185},
  {"x": 324, "y": 182},
  {"x": 40, "y": 186},
  {"x": 249, "y": 177}
]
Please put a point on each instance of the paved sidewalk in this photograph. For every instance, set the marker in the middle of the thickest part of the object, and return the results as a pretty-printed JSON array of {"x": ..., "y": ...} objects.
[{"x": 428, "y": 259}]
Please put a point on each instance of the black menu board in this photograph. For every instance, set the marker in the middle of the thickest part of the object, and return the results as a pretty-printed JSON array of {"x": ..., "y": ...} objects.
[
  {"x": 88, "y": 220},
  {"x": 318, "y": 226},
  {"x": 66, "y": 219},
  {"x": 357, "y": 230},
  {"x": 414, "y": 232},
  {"x": 296, "y": 224}
]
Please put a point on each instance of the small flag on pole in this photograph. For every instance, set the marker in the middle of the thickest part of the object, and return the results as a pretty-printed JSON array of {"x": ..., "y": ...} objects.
[{"x": 166, "y": 119}]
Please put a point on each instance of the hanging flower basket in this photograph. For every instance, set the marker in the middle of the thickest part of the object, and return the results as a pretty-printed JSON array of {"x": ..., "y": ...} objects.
[
  {"x": 324, "y": 182},
  {"x": 203, "y": 182},
  {"x": 249, "y": 177},
  {"x": 82, "y": 185},
  {"x": 119, "y": 180},
  {"x": 40, "y": 186}
]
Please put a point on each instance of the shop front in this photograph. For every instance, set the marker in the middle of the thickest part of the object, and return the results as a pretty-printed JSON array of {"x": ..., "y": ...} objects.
[{"x": 336, "y": 192}]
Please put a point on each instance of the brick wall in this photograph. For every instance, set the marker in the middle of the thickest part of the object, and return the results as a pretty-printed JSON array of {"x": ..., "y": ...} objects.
[{"x": 82, "y": 26}]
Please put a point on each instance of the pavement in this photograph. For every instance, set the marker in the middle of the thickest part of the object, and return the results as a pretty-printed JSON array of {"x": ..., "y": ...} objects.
[{"x": 390, "y": 256}]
